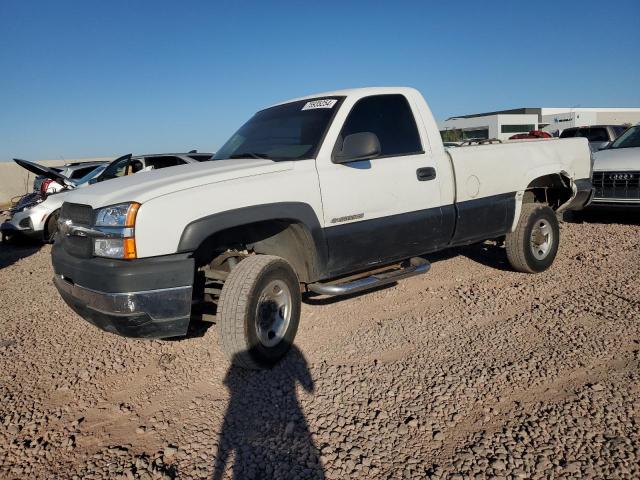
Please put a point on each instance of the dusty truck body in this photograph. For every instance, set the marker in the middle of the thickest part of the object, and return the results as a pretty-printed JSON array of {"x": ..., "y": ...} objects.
[{"x": 332, "y": 193}]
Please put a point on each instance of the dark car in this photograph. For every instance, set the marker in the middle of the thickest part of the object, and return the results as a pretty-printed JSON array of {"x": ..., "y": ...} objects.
[{"x": 599, "y": 136}]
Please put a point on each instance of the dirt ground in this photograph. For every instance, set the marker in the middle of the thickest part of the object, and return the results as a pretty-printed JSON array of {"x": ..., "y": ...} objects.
[{"x": 470, "y": 371}]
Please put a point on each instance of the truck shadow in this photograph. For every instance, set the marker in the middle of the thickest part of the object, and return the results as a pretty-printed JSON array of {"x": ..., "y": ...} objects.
[
  {"x": 488, "y": 254},
  {"x": 264, "y": 429},
  {"x": 16, "y": 249}
]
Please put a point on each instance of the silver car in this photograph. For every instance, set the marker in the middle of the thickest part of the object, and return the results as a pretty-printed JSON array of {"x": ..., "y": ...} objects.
[
  {"x": 616, "y": 172},
  {"x": 36, "y": 214}
]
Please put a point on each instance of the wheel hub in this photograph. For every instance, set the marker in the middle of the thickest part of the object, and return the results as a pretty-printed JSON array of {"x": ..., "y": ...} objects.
[
  {"x": 541, "y": 239},
  {"x": 273, "y": 313}
]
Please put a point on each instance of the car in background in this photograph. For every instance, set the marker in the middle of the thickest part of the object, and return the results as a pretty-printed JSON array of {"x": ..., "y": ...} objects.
[
  {"x": 532, "y": 135},
  {"x": 599, "y": 136},
  {"x": 36, "y": 214},
  {"x": 616, "y": 172},
  {"x": 72, "y": 171}
]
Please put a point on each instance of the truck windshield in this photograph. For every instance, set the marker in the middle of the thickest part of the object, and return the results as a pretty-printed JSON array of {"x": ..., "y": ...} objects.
[
  {"x": 292, "y": 131},
  {"x": 629, "y": 139}
]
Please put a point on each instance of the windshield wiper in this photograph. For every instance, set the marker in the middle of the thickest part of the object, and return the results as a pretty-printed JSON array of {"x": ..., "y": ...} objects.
[{"x": 250, "y": 155}]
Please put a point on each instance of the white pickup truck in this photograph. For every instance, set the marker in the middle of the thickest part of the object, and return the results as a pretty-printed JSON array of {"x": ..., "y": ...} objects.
[{"x": 333, "y": 193}]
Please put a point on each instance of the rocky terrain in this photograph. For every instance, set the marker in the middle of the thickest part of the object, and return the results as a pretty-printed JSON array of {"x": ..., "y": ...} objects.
[{"x": 471, "y": 371}]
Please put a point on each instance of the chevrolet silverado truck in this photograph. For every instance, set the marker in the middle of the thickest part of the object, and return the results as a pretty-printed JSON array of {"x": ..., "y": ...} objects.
[{"x": 333, "y": 193}]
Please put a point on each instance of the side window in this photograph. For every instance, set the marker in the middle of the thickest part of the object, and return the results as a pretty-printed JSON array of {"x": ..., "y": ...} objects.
[
  {"x": 163, "y": 161},
  {"x": 390, "y": 118},
  {"x": 81, "y": 172},
  {"x": 598, "y": 135},
  {"x": 114, "y": 170}
]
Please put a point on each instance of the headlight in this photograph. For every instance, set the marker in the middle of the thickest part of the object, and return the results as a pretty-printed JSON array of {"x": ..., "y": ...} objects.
[
  {"x": 121, "y": 215},
  {"x": 117, "y": 222}
]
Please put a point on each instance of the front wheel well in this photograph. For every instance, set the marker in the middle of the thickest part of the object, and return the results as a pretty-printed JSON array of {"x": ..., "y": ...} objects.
[{"x": 284, "y": 238}]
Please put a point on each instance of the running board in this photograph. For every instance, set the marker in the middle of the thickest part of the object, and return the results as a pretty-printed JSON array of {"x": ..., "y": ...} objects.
[{"x": 412, "y": 267}]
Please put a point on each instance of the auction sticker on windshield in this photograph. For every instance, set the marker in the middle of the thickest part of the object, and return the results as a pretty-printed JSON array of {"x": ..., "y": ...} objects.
[{"x": 324, "y": 103}]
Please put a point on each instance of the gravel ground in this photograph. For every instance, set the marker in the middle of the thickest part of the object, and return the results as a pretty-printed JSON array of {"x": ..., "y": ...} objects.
[{"x": 470, "y": 371}]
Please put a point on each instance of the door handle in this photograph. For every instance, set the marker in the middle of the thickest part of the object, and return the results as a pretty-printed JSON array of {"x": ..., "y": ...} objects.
[{"x": 426, "y": 173}]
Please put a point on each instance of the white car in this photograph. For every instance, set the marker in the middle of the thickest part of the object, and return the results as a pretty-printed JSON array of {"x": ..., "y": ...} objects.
[
  {"x": 333, "y": 193},
  {"x": 36, "y": 215},
  {"x": 616, "y": 172}
]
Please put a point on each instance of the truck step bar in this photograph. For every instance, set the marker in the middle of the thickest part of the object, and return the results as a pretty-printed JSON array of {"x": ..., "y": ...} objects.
[{"x": 409, "y": 268}]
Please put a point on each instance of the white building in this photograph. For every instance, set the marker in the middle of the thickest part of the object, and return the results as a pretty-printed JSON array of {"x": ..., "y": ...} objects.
[{"x": 505, "y": 123}]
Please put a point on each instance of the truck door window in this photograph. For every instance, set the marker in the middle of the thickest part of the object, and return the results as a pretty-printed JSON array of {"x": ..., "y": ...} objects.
[{"x": 390, "y": 118}]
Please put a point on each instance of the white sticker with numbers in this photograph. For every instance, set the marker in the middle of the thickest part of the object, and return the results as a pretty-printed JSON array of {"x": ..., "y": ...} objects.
[{"x": 324, "y": 103}]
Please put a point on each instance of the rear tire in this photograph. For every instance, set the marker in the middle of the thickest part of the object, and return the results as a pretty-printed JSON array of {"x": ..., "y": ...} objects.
[
  {"x": 533, "y": 246},
  {"x": 258, "y": 311}
]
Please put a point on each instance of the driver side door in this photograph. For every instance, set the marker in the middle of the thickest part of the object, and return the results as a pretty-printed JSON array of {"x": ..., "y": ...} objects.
[{"x": 380, "y": 210}]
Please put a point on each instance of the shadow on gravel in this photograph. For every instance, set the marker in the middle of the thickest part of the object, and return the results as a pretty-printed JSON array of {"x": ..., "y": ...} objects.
[
  {"x": 15, "y": 249},
  {"x": 264, "y": 428},
  {"x": 604, "y": 216},
  {"x": 488, "y": 254}
]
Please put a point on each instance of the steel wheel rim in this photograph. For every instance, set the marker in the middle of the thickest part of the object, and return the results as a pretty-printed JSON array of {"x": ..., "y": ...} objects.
[
  {"x": 273, "y": 313},
  {"x": 541, "y": 239}
]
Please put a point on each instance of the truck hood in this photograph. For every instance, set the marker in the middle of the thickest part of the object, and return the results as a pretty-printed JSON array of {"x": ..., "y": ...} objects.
[
  {"x": 143, "y": 186},
  {"x": 617, "y": 159}
]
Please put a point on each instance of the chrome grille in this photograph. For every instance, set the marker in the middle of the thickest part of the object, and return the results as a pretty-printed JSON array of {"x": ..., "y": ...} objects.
[
  {"x": 617, "y": 185},
  {"x": 80, "y": 215}
]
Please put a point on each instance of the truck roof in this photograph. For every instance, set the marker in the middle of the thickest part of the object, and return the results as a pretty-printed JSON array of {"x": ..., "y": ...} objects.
[{"x": 347, "y": 92}]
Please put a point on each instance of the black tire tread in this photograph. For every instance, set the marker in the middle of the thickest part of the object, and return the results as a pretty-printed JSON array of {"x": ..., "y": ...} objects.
[
  {"x": 516, "y": 242},
  {"x": 232, "y": 308}
]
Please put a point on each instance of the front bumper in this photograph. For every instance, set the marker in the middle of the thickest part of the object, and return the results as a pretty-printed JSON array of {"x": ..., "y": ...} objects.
[
  {"x": 148, "y": 298},
  {"x": 152, "y": 314},
  {"x": 11, "y": 227}
]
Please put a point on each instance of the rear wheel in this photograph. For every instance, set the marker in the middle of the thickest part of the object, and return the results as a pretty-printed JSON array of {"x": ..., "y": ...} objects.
[
  {"x": 533, "y": 246},
  {"x": 52, "y": 227},
  {"x": 258, "y": 311}
]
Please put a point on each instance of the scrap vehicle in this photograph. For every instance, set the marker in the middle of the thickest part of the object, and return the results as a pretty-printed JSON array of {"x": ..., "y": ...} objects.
[
  {"x": 36, "y": 214},
  {"x": 616, "y": 173},
  {"x": 599, "y": 136},
  {"x": 531, "y": 135},
  {"x": 329, "y": 194},
  {"x": 72, "y": 171}
]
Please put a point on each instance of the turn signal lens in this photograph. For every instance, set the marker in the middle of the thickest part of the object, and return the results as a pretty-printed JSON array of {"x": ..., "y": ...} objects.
[
  {"x": 130, "y": 248},
  {"x": 131, "y": 215}
]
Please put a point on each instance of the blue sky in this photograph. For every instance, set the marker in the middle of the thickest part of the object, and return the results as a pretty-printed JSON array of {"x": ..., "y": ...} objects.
[{"x": 92, "y": 78}]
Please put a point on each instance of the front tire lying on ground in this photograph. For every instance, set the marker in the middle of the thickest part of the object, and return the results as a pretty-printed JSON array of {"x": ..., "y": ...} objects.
[
  {"x": 533, "y": 246},
  {"x": 258, "y": 311}
]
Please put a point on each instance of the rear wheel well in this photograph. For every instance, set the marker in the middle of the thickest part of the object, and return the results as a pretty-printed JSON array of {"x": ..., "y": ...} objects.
[
  {"x": 288, "y": 239},
  {"x": 554, "y": 190}
]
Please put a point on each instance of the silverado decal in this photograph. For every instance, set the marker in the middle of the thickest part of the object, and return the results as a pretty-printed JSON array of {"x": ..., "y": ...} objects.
[{"x": 347, "y": 218}]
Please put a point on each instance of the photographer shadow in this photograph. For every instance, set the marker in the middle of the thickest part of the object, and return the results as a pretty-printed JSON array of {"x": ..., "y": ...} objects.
[{"x": 264, "y": 428}]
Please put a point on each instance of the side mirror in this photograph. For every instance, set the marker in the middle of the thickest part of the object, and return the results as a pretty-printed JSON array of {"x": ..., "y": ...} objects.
[
  {"x": 604, "y": 145},
  {"x": 358, "y": 146},
  {"x": 92, "y": 181}
]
